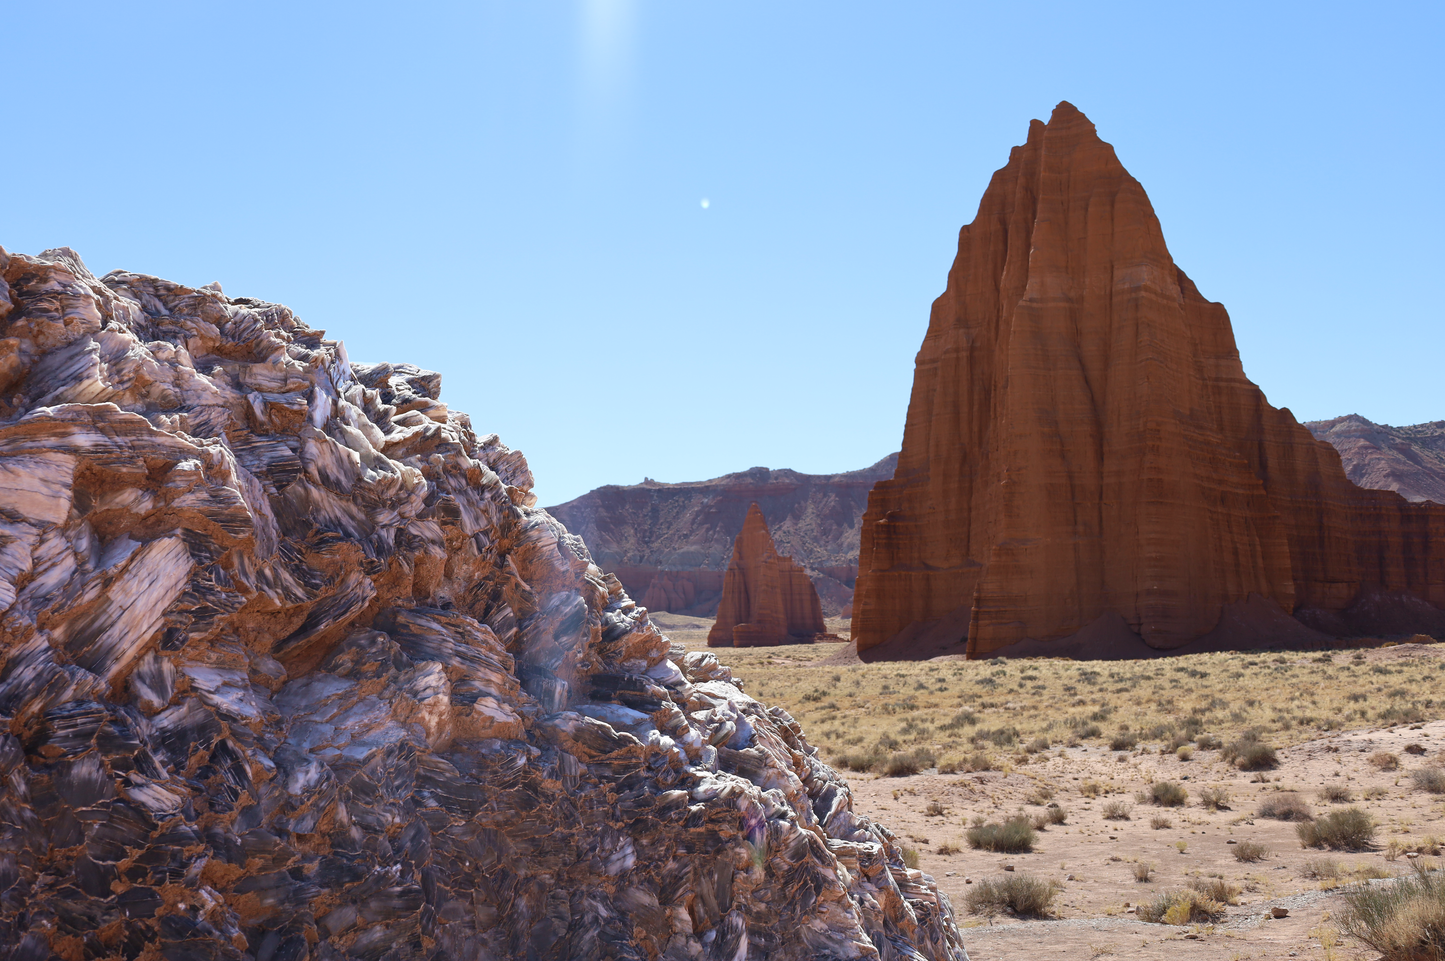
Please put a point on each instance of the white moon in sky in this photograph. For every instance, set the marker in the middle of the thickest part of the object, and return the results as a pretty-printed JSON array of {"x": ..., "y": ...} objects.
[{"x": 705, "y": 203}]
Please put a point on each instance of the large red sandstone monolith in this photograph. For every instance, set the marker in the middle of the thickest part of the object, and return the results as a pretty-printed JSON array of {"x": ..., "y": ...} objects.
[
  {"x": 1083, "y": 449},
  {"x": 767, "y": 598}
]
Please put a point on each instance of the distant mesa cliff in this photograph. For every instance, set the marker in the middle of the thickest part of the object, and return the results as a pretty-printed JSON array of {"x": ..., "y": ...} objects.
[
  {"x": 1086, "y": 467},
  {"x": 670, "y": 544},
  {"x": 1407, "y": 460},
  {"x": 767, "y": 598}
]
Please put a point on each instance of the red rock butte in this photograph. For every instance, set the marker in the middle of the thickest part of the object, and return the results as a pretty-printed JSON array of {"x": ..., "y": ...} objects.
[
  {"x": 767, "y": 598},
  {"x": 1085, "y": 464}
]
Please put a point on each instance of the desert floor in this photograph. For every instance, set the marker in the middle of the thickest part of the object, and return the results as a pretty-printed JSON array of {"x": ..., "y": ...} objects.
[{"x": 1355, "y": 722}]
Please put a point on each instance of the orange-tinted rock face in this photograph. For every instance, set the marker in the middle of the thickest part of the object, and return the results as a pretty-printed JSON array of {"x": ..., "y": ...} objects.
[
  {"x": 669, "y": 544},
  {"x": 767, "y": 598},
  {"x": 1082, "y": 441}
]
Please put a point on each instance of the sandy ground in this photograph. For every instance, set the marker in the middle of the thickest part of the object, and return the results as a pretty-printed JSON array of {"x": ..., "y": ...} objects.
[{"x": 1094, "y": 858}]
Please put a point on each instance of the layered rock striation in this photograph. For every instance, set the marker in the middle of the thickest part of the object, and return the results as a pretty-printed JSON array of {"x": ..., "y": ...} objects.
[
  {"x": 1083, "y": 449},
  {"x": 291, "y": 667},
  {"x": 1407, "y": 460},
  {"x": 767, "y": 598},
  {"x": 670, "y": 544}
]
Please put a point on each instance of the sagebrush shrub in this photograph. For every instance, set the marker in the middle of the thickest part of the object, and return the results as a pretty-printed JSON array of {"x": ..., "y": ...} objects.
[
  {"x": 1186, "y": 906},
  {"x": 1349, "y": 829},
  {"x": 1249, "y": 851},
  {"x": 1249, "y": 753},
  {"x": 1430, "y": 779},
  {"x": 1014, "y": 836},
  {"x": 1404, "y": 921},
  {"x": 1023, "y": 894},
  {"x": 1216, "y": 889},
  {"x": 1115, "y": 811},
  {"x": 1285, "y": 806}
]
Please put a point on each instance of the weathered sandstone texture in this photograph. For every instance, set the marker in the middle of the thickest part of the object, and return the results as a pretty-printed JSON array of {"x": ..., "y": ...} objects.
[
  {"x": 1407, "y": 460},
  {"x": 767, "y": 598},
  {"x": 1083, "y": 448},
  {"x": 292, "y": 668},
  {"x": 669, "y": 544}
]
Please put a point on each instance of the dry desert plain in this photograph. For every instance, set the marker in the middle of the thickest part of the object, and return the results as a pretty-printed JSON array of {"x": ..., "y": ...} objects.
[{"x": 969, "y": 740}]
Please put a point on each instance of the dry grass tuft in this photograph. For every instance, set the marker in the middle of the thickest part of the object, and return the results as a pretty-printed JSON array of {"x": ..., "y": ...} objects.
[
  {"x": 1115, "y": 811},
  {"x": 1019, "y": 894},
  {"x": 1014, "y": 836},
  {"x": 1216, "y": 889},
  {"x": 1169, "y": 794},
  {"x": 1336, "y": 794},
  {"x": 1385, "y": 761},
  {"x": 1181, "y": 907},
  {"x": 1285, "y": 806},
  {"x": 1430, "y": 779},
  {"x": 1404, "y": 921},
  {"x": 1249, "y": 851}
]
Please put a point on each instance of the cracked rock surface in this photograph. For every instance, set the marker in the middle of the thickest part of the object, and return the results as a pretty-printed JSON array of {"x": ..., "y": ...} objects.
[{"x": 293, "y": 667}]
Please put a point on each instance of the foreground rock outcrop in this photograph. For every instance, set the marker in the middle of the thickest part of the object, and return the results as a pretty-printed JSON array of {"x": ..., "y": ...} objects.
[
  {"x": 670, "y": 544},
  {"x": 1407, "y": 460},
  {"x": 293, "y": 668},
  {"x": 1083, "y": 452},
  {"x": 767, "y": 598}
]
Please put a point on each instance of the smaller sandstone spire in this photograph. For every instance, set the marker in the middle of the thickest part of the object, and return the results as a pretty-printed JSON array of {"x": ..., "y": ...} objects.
[{"x": 767, "y": 598}]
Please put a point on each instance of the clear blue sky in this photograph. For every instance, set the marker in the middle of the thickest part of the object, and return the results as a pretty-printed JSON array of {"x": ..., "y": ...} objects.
[{"x": 511, "y": 193}]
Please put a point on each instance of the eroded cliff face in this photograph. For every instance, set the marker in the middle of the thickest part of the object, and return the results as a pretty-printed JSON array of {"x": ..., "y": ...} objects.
[
  {"x": 293, "y": 668},
  {"x": 767, "y": 598},
  {"x": 1082, "y": 444},
  {"x": 1407, "y": 460},
  {"x": 669, "y": 544}
]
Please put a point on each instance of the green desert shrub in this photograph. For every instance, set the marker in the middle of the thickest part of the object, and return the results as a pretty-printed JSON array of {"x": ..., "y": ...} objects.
[
  {"x": 1168, "y": 794},
  {"x": 1348, "y": 829},
  {"x": 1403, "y": 921},
  {"x": 1014, "y": 836},
  {"x": 1020, "y": 894}
]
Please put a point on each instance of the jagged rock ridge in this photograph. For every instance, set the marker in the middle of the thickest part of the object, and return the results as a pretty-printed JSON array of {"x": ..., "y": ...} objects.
[
  {"x": 1407, "y": 460},
  {"x": 1083, "y": 450},
  {"x": 293, "y": 668},
  {"x": 670, "y": 544},
  {"x": 767, "y": 598}
]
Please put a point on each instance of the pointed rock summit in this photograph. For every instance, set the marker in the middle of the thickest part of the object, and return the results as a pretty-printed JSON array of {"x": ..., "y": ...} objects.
[
  {"x": 1083, "y": 452},
  {"x": 767, "y": 598}
]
